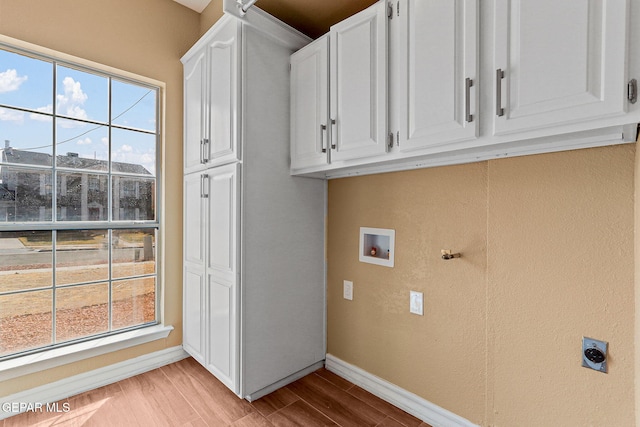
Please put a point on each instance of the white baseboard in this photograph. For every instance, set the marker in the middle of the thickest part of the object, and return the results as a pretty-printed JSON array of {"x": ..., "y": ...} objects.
[
  {"x": 80, "y": 383},
  {"x": 408, "y": 402}
]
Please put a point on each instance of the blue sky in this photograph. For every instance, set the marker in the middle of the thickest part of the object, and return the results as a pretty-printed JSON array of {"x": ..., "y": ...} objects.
[{"x": 27, "y": 83}]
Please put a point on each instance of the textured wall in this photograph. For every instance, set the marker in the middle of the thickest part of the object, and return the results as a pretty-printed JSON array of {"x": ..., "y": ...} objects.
[
  {"x": 547, "y": 244},
  {"x": 210, "y": 15},
  {"x": 145, "y": 37}
]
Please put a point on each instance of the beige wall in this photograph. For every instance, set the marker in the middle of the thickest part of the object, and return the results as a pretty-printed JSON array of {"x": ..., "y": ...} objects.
[
  {"x": 547, "y": 257},
  {"x": 145, "y": 37},
  {"x": 637, "y": 282},
  {"x": 210, "y": 15}
]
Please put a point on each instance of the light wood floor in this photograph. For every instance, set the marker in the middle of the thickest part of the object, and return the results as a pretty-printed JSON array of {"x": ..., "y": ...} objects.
[{"x": 185, "y": 394}]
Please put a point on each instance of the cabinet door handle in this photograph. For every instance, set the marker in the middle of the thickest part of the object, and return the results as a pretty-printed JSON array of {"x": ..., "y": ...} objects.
[
  {"x": 467, "y": 101},
  {"x": 333, "y": 140},
  {"x": 204, "y": 194},
  {"x": 499, "y": 77},
  {"x": 205, "y": 150},
  {"x": 323, "y": 129},
  {"x": 201, "y": 152}
]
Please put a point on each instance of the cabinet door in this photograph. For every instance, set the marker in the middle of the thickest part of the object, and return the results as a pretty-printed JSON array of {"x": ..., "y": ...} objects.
[
  {"x": 558, "y": 62},
  {"x": 193, "y": 312},
  {"x": 222, "y": 268},
  {"x": 222, "y": 343},
  {"x": 194, "y": 132},
  {"x": 222, "y": 223},
  {"x": 358, "y": 81},
  {"x": 194, "y": 223},
  {"x": 222, "y": 108},
  {"x": 194, "y": 269},
  {"x": 309, "y": 105},
  {"x": 437, "y": 72}
]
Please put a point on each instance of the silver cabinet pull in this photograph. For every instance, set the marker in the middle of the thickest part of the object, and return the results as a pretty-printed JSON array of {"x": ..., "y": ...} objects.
[
  {"x": 205, "y": 150},
  {"x": 499, "y": 77},
  {"x": 204, "y": 194},
  {"x": 323, "y": 129},
  {"x": 468, "y": 83},
  {"x": 201, "y": 154},
  {"x": 333, "y": 143}
]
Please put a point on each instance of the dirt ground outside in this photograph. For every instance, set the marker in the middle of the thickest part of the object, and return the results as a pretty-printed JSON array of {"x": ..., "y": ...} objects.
[{"x": 26, "y": 319}]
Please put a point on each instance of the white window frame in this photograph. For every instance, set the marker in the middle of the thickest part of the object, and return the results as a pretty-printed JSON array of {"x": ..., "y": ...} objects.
[{"x": 12, "y": 366}]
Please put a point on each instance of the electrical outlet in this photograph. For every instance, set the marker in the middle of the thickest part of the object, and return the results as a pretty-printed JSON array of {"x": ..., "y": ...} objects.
[
  {"x": 347, "y": 290},
  {"x": 415, "y": 303},
  {"x": 594, "y": 354}
]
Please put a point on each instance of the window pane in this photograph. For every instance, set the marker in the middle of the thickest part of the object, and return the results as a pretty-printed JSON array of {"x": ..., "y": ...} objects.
[
  {"x": 133, "y": 106},
  {"x": 134, "y": 302},
  {"x": 25, "y": 321},
  {"x": 25, "y": 82},
  {"x": 133, "y": 152},
  {"x": 25, "y": 195},
  {"x": 85, "y": 142},
  {"x": 27, "y": 138},
  {"x": 133, "y": 198},
  {"x": 133, "y": 252},
  {"x": 25, "y": 260},
  {"x": 82, "y": 311},
  {"x": 81, "y": 198},
  {"x": 81, "y": 256},
  {"x": 82, "y": 95},
  {"x": 81, "y": 145}
]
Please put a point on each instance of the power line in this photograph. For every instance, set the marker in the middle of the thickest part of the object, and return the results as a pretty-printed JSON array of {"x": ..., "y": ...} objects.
[{"x": 90, "y": 130}]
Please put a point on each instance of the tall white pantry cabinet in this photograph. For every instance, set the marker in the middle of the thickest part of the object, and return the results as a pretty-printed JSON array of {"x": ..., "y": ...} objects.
[{"x": 253, "y": 284}]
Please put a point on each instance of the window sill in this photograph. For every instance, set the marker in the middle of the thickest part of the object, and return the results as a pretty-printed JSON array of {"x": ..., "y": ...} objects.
[{"x": 72, "y": 353}]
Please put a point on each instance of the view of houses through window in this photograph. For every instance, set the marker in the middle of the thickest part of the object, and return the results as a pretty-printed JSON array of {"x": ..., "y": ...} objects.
[{"x": 78, "y": 202}]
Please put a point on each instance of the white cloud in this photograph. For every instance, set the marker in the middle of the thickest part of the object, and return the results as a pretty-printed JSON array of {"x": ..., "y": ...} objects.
[
  {"x": 10, "y": 81},
  {"x": 7, "y": 115},
  {"x": 42, "y": 117},
  {"x": 104, "y": 140},
  {"x": 70, "y": 103},
  {"x": 126, "y": 148},
  {"x": 86, "y": 141}
]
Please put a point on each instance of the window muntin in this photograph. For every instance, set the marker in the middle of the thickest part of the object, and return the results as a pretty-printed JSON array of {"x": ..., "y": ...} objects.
[{"x": 78, "y": 221}]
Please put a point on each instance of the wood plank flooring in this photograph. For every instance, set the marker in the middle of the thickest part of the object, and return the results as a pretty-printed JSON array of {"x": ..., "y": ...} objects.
[{"x": 185, "y": 394}]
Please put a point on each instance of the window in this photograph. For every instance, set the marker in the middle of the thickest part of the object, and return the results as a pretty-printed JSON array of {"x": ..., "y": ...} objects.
[{"x": 78, "y": 203}]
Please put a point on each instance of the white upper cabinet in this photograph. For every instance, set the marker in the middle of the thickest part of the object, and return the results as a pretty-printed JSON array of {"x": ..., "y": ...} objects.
[
  {"x": 210, "y": 113},
  {"x": 310, "y": 105},
  {"x": 558, "y": 62},
  {"x": 468, "y": 80},
  {"x": 358, "y": 85},
  {"x": 436, "y": 72},
  {"x": 194, "y": 120},
  {"x": 339, "y": 93},
  {"x": 222, "y": 114}
]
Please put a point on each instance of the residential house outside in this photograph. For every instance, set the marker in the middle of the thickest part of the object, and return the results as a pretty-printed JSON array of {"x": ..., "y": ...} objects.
[{"x": 26, "y": 190}]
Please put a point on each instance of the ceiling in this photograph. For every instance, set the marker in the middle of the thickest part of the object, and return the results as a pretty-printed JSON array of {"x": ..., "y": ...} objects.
[{"x": 312, "y": 17}]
